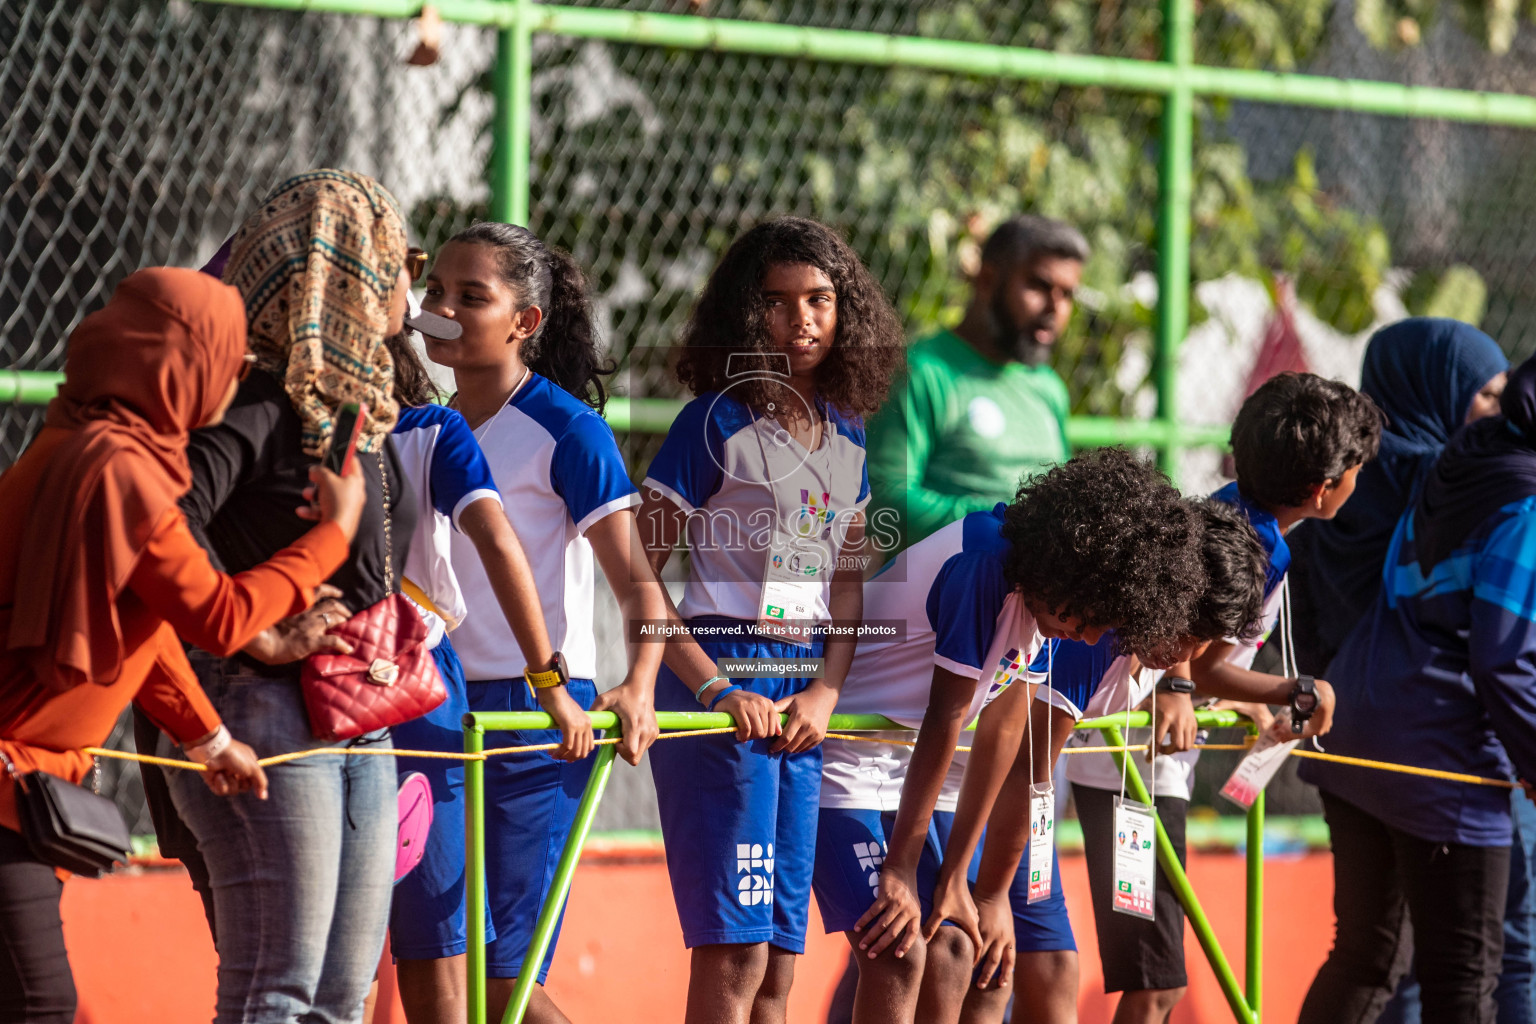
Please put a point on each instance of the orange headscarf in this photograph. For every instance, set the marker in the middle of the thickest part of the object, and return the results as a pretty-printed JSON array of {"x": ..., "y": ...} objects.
[{"x": 140, "y": 374}]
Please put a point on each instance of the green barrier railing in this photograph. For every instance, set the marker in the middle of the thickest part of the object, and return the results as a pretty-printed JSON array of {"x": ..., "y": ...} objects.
[{"x": 1242, "y": 998}]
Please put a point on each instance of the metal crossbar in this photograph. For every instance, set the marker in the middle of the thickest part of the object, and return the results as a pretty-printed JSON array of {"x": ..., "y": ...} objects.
[
  {"x": 1242, "y": 998},
  {"x": 1176, "y": 79}
]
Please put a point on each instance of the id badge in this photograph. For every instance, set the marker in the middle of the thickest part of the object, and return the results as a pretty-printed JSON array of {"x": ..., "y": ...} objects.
[
  {"x": 1042, "y": 839},
  {"x": 1135, "y": 858},
  {"x": 786, "y": 609},
  {"x": 1255, "y": 770}
]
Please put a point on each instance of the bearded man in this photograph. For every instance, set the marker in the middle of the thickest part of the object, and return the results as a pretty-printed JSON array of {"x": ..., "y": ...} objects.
[{"x": 979, "y": 406}]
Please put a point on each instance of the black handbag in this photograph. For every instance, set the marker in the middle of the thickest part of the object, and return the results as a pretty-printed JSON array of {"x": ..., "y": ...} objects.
[{"x": 68, "y": 826}]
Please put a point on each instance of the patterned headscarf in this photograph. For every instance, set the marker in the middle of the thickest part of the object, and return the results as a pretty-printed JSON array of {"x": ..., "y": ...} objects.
[{"x": 317, "y": 265}]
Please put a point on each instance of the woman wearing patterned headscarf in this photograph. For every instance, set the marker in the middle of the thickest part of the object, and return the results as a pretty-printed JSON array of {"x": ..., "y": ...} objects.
[{"x": 301, "y": 883}]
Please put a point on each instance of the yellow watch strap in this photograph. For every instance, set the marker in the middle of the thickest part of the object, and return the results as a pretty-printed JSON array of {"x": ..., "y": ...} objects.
[{"x": 543, "y": 680}]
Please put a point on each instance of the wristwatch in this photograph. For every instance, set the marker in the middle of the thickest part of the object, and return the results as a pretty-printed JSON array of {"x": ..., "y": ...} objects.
[
  {"x": 1303, "y": 701},
  {"x": 556, "y": 675},
  {"x": 1175, "y": 684}
]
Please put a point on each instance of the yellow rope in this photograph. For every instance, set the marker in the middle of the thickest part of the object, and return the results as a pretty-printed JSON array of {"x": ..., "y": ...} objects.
[
  {"x": 1407, "y": 769},
  {"x": 444, "y": 755},
  {"x": 266, "y": 762}
]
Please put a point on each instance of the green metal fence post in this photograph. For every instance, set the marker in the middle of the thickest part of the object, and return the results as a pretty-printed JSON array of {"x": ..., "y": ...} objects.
[
  {"x": 554, "y": 902},
  {"x": 474, "y": 867},
  {"x": 1175, "y": 191},
  {"x": 513, "y": 117},
  {"x": 1179, "y": 881},
  {"x": 1254, "y": 954}
]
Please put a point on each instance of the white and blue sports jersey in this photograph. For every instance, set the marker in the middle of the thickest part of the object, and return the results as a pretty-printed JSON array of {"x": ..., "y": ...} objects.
[
  {"x": 949, "y": 599},
  {"x": 736, "y": 475},
  {"x": 443, "y": 462},
  {"x": 1071, "y": 674},
  {"x": 559, "y": 471}
]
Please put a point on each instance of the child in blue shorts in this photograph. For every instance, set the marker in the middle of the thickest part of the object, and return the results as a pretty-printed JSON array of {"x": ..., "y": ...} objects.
[
  {"x": 763, "y": 477},
  {"x": 1028, "y": 949},
  {"x": 530, "y": 384},
  {"x": 1074, "y": 556},
  {"x": 443, "y": 463}
]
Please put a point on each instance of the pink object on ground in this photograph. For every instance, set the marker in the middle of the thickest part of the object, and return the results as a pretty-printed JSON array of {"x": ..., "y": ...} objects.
[{"x": 415, "y": 823}]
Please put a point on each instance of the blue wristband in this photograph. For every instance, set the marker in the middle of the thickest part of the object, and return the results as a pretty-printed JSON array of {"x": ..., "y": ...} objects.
[{"x": 733, "y": 688}]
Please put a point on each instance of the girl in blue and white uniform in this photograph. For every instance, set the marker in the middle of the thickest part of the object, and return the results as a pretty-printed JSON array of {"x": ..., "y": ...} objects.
[
  {"x": 530, "y": 385},
  {"x": 763, "y": 477}
]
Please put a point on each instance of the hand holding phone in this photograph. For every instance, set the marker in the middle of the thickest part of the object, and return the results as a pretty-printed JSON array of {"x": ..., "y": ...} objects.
[
  {"x": 337, "y": 494},
  {"x": 347, "y": 428}
]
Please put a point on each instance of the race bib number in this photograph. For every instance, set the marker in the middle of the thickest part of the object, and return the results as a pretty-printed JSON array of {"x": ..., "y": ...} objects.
[
  {"x": 1135, "y": 858},
  {"x": 1255, "y": 770},
  {"x": 1042, "y": 839}
]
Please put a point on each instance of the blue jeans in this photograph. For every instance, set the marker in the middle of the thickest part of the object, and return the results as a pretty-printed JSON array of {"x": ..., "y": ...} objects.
[
  {"x": 301, "y": 881},
  {"x": 1516, "y": 994}
]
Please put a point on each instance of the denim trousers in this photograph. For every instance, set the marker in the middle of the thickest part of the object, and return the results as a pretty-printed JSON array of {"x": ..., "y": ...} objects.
[{"x": 301, "y": 881}]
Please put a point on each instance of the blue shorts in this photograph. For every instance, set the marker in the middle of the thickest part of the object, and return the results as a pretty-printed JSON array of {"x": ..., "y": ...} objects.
[
  {"x": 426, "y": 920},
  {"x": 530, "y": 804},
  {"x": 851, "y": 845},
  {"x": 739, "y": 823},
  {"x": 1041, "y": 927}
]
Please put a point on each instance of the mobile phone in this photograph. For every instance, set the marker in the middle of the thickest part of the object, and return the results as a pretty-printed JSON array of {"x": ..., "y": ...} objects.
[{"x": 347, "y": 428}]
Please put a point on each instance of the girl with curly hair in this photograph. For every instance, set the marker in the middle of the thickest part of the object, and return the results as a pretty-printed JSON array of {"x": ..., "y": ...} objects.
[{"x": 791, "y": 345}]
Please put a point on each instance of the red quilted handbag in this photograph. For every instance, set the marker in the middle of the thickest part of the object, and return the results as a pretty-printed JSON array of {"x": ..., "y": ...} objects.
[{"x": 390, "y": 677}]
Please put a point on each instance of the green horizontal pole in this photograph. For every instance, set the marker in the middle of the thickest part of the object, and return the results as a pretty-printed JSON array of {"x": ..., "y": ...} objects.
[
  {"x": 1142, "y": 719},
  {"x": 671, "y": 721},
  {"x": 655, "y": 416},
  {"x": 981, "y": 59},
  {"x": 29, "y": 387},
  {"x": 1179, "y": 882}
]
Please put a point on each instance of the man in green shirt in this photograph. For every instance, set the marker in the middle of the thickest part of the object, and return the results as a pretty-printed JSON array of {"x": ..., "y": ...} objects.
[{"x": 979, "y": 406}]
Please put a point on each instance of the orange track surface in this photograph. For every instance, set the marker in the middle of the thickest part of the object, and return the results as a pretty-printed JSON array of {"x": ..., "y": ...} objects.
[{"x": 141, "y": 952}]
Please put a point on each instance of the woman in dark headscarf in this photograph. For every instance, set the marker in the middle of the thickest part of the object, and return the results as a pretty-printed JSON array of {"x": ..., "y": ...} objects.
[
  {"x": 1440, "y": 673},
  {"x": 1429, "y": 376}
]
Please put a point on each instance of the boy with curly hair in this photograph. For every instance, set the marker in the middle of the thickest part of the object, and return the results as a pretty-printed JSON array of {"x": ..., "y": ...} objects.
[
  {"x": 1029, "y": 947},
  {"x": 1298, "y": 443},
  {"x": 1102, "y": 542}
]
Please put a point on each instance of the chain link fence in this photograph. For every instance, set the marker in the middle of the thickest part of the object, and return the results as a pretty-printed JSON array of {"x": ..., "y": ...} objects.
[{"x": 140, "y": 133}]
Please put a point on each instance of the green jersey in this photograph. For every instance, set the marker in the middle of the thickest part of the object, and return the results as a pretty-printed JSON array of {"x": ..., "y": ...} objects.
[{"x": 956, "y": 435}]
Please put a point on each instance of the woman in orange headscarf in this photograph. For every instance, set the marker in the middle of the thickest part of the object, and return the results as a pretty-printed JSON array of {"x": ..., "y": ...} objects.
[{"x": 99, "y": 573}]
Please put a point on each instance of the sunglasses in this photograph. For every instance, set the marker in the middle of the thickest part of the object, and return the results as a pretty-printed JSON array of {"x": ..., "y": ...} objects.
[{"x": 416, "y": 263}]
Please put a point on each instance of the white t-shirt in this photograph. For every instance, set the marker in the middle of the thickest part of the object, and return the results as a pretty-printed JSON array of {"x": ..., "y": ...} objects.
[
  {"x": 953, "y": 609},
  {"x": 559, "y": 471},
  {"x": 737, "y": 476}
]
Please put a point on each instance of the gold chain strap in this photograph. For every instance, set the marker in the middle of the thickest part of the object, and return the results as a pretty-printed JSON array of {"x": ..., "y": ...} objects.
[{"x": 389, "y": 546}]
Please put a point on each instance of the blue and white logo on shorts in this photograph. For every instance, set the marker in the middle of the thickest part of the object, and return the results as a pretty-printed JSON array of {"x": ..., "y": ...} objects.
[
  {"x": 754, "y": 888},
  {"x": 871, "y": 856}
]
